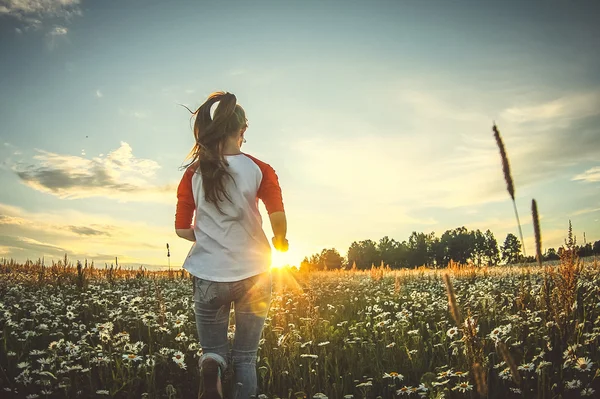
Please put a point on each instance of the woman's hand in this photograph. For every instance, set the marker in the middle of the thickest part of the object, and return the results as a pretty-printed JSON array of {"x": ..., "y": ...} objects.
[
  {"x": 279, "y": 225},
  {"x": 281, "y": 244}
]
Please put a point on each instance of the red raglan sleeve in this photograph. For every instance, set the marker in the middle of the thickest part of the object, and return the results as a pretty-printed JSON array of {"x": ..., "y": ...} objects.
[
  {"x": 269, "y": 190},
  {"x": 186, "y": 206}
]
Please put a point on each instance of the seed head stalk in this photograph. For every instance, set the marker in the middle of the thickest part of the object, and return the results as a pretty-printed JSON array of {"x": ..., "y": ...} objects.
[{"x": 509, "y": 181}]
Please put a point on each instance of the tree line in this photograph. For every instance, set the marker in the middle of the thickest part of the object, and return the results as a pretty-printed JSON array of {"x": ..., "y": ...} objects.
[{"x": 426, "y": 249}]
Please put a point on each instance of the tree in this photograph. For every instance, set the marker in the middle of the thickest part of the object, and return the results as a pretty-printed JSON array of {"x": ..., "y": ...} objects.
[
  {"x": 479, "y": 246},
  {"x": 491, "y": 252},
  {"x": 364, "y": 253},
  {"x": 330, "y": 259},
  {"x": 586, "y": 250},
  {"x": 457, "y": 245},
  {"x": 511, "y": 250},
  {"x": 305, "y": 265},
  {"x": 551, "y": 254},
  {"x": 596, "y": 248},
  {"x": 439, "y": 250},
  {"x": 387, "y": 250},
  {"x": 419, "y": 247}
]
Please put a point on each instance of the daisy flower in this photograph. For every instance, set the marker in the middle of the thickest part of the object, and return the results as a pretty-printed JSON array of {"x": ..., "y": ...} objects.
[
  {"x": 463, "y": 387},
  {"x": 583, "y": 364},
  {"x": 178, "y": 357},
  {"x": 587, "y": 391}
]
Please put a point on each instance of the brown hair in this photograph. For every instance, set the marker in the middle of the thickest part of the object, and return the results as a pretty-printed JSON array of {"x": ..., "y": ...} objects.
[{"x": 211, "y": 134}]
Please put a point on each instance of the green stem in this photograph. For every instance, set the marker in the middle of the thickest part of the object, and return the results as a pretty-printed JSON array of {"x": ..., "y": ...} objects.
[{"x": 520, "y": 230}]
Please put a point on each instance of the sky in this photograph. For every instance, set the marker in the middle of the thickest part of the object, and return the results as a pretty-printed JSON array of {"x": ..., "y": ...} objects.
[{"x": 376, "y": 116}]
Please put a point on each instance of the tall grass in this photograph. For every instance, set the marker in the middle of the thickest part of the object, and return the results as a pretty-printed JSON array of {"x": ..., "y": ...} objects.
[{"x": 509, "y": 180}]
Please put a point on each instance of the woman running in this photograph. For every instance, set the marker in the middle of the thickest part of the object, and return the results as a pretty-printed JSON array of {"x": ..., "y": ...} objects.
[{"x": 231, "y": 256}]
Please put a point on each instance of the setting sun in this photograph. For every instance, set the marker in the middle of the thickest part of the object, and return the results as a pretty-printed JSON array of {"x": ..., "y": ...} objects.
[{"x": 281, "y": 259}]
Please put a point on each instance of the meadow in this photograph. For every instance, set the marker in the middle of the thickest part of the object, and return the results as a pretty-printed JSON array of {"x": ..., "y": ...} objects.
[{"x": 459, "y": 332}]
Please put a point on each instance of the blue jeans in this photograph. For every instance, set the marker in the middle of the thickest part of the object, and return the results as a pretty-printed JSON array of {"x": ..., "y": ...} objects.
[{"x": 251, "y": 299}]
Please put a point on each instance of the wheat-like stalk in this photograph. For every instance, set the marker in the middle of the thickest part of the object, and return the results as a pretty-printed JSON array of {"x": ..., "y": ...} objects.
[
  {"x": 509, "y": 181},
  {"x": 480, "y": 379},
  {"x": 505, "y": 165},
  {"x": 503, "y": 349},
  {"x": 454, "y": 310},
  {"x": 537, "y": 231}
]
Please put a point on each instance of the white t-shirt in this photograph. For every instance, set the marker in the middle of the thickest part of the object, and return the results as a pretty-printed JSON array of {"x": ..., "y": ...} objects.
[{"x": 232, "y": 245}]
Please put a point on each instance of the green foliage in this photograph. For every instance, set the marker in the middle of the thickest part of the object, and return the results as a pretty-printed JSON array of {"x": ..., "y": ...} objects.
[
  {"x": 511, "y": 250},
  {"x": 425, "y": 249},
  {"x": 328, "y": 259}
]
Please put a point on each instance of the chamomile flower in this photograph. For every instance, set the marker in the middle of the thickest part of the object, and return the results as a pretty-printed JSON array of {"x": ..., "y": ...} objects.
[
  {"x": 178, "y": 357},
  {"x": 463, "y": 387},
  {"x": 452, "y": 332},
  {"x": 132, "y": 357},
  {"x": 393, "y": 375},
  {"x": 583, "y": 364},
  {"x": 526, "y": 367},
  {"x": 573, "y": 384},
  {"x": 587, "y": 391}
]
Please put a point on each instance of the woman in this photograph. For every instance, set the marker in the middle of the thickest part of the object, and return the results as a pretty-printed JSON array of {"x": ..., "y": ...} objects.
[{"x": 230, "y": 258}]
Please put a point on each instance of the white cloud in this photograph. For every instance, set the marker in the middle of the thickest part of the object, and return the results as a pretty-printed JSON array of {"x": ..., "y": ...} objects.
[
  {"x": 32, "y": 12},
  {"x": 58, "y": 31},
  {"x": 590, "y": 175},
  {"x": 99, "y": 94},
  {"x": 118, "y": 175},
  {"x": 46, "y": 7}
]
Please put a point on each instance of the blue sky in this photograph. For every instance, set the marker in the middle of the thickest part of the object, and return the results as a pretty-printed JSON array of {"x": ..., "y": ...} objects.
[{"x": 376, "y": 116}]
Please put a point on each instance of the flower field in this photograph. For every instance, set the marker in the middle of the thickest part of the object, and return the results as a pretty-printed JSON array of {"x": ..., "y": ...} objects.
[{"x": 489, "y": 332}]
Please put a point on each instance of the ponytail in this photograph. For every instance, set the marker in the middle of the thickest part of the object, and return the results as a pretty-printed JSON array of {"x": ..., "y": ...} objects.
[{"x": 211, "y": 134}]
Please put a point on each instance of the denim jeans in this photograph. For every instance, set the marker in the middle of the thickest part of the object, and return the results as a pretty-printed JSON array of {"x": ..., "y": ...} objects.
[{"x": 251, "y": 299}]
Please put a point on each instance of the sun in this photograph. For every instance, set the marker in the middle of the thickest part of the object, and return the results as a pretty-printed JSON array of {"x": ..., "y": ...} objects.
[{"x": 281, "y": 259}]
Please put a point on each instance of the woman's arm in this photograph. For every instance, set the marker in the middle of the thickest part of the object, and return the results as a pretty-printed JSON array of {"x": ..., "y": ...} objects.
[
  {"x": 279, "y": 226},
  {"x": 188, "y": 234}
]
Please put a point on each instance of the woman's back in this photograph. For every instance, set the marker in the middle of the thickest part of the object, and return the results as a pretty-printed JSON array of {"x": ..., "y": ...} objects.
[{"x": 230, "y": 242}]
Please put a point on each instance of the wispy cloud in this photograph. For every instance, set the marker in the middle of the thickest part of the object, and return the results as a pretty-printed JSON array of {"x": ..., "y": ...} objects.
[
  {"x": 56, "y": 36},
  {"x": 118, "y": 175},
  {"x": 88, "y": 231},
  {"x": 585, "y": 211},
  {"x": 99, "y": 94},
  {"x": 544, "y": 139},
  {"x": 590, "y": 175},
  {"x": 571, "y": 106}
]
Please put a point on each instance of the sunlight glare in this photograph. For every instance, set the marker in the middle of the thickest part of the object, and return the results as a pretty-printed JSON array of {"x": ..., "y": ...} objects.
[{"x": 281, "y": 259}]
